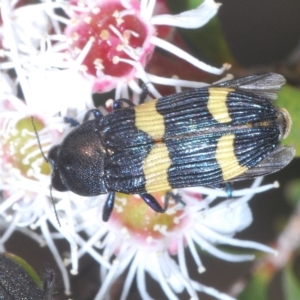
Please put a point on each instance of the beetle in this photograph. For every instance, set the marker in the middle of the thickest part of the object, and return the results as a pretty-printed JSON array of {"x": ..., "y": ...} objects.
[
  {"x": 207, "y": 136},
  {"x": 17, "y": 282}
]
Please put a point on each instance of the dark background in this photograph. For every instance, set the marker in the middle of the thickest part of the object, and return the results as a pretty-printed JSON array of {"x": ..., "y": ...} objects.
[{"x": 260, "y": 33}]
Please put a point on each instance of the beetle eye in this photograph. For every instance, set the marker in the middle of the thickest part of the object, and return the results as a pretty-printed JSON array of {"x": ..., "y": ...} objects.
[
  {"x": 56, "y": 180},
  {"x": 53, "y": 154}
]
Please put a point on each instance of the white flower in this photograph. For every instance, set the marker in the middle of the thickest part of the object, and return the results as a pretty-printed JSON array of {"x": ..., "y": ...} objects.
[
  {"x": 48, "y": 82},
  {"x": 118, "y": 37},
  {"x": 146, "y": 242},
  {"x": 48, "y": 60},
  {"x": 55, "y": 71}
]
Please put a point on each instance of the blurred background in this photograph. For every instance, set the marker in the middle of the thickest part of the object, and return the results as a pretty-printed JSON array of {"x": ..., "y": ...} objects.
[{"x": 255, "y": 36}]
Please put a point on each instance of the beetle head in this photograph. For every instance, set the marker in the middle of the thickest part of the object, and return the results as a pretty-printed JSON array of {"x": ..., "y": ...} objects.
[{"x": 78, "y": 162}]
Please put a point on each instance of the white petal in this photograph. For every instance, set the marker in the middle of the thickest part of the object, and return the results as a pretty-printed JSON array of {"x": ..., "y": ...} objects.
[
  {"x": 7, "y": 86},
  {"x": 30, "y": 24},
  {"x": 184, "y": 55},
  {"x": 193, "y": 18},
  {"x": 54, "y": 91},
  {"x": 228, "y": 220}
]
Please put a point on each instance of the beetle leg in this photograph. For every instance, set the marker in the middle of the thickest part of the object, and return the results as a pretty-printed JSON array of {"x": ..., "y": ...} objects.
[
  {"x": 108, "y": 206},
  {"x": 143, "y": 96},
  {"x": 144, "y": 93},
  {"x": 228, "y": 188},
  {"x": 153, "y": 203},
  {"x": 176, "y": 197},
  {"x": 96, "y": 112},
  {"x": 49, "y": 282},
  {"x": 117, "y": 103},
  {"x": 71, "y": 121}
]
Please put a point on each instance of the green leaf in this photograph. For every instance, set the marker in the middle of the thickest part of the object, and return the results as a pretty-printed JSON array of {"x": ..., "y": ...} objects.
[
  {"x": 291, "y": 285},
  {"x": 178, "y": 6},
  {"x": 292, "y": 191},
  {"x": 27, "y": 268},
  {"x": 207, "y": 42},
  {"x": 257, "y": 288},
  {"x": 289, "y": 98},
  {"x": 190, "y": 4}
]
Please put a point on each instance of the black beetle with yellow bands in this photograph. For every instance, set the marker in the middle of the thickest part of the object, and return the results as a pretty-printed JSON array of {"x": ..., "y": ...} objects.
[{"x": 207, "y": 136}]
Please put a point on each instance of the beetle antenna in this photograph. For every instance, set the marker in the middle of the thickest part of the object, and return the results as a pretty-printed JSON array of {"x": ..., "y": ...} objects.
[
  {"x": 38, "y": 139},
  {"x": 55, "y": 211},
  {"x": 46, "y": 159}
]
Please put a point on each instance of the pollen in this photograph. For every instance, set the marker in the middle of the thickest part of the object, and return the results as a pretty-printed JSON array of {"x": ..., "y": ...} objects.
[
  {"x": 96, "y": 10},
  {"x": 114, "y": 29},
  {"x": 127, "y": 35},
  {"x": 98, "y": 64},
  {"x": 116, "y": 14},
  {"x": 119, "y": 21},
  {"x": 116, "y": 59},
  {"x": 87, "y": 19},
  {"x": 141, "y": 221},
  {"x": 120, "y": 48},
  {"x": 104, "y": 34},
  {"x": 21, "y": 152},
  {"x": 75, "y": 36}
]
